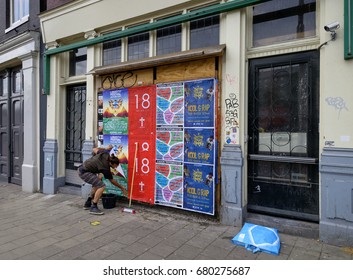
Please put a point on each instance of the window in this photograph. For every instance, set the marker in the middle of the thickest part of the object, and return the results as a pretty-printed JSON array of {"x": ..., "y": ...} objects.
[
  {"x": 112, "y": 52},
  {"x": 19, "y": 10},
  {"x": 204, "y": 32},
  {"x": 78, "y": 62},
  {"x": 138, "y": 46},
  {"x": 279, "y": 21},
  {"x": 169, "y": 39}
]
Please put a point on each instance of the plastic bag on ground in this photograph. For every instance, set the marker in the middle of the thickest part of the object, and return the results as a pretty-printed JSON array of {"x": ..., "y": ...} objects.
[{"x": 257, "y": 238}]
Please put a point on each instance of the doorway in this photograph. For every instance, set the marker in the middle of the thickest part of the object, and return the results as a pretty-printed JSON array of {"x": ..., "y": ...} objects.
[
  {"x": 75, "y": 131},
  {"x": 283, "y": 146},
  {"x": 11, "y": 126}
]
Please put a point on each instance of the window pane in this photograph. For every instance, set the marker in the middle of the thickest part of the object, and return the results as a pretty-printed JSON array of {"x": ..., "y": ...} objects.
[
  {"x": 4, "y": 86},
  {"x": 20, "y": 9},
  {"x": 112, "y": 52},
  {"x": 25, "y": 9},
  {"x": 138, "y": 46},
  {"x": 78, "y": 62},
  {"x": 204, "y": 32},
  {"x": 16, "y": 82},
  {"x": 169, "y": 39},
  {"x": 16, "y": 10},
  {"x": 277, "y": 21}
]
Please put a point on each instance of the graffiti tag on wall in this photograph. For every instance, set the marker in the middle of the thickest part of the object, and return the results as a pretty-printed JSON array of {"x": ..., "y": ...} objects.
[
  {"x": 338, "y": 103},
  {"x": 116, "y": 81},
  {"x": 232, "y": 119}
]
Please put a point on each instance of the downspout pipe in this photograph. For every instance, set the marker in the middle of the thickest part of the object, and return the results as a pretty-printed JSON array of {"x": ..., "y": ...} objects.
[{"x": 193, "y": 15}]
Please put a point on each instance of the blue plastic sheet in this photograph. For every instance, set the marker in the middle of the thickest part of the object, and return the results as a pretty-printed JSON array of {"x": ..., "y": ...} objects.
[{"x": 257, "y": 238}]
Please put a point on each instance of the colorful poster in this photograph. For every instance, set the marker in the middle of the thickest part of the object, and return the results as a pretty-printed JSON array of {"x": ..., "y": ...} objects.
[
  {"x": 170, "y": 144},
  {"x": 199, "y": 103},
  {"x": 199, "y": 145},
  {"x": 115, "y": 111},
  {"x": 120, "y": 149},
  {"x": 110, "y": 188},
  {"x": 199, "y": 188},
  {"x": 120, "y": 146},
  {"x": 142, "y": 107},
  {"x": 169, "y": 184},
  {"x": 170, "y": 104},
  {"x": 100, "y": 119}
]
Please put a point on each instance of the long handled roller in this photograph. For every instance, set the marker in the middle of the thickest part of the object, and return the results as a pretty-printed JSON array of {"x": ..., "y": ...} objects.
[{"x": 129, "y": 209}]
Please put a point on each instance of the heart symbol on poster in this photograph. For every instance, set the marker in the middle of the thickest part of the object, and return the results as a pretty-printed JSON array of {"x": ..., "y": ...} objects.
[
  {"x": 164, "y": 93},
  {"x": 167, "y": 194},
  {"x": 163, "y": 136},
  {"x": 176, "y": 150}
]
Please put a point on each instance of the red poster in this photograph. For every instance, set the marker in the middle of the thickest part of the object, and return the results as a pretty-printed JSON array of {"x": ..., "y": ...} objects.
[
  {"x": 142, "y": 143},
  {"x": 142, "y": 167},
  {"x": 142, "y": 108}
]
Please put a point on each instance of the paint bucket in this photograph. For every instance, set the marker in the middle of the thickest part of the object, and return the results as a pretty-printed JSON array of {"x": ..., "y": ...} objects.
[{"x": 108, "y": 200}]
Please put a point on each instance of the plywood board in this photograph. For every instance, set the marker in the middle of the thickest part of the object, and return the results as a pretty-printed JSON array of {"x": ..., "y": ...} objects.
[
  {"x": 127, "y": 79},
  {"x": 186, "y": 71}
]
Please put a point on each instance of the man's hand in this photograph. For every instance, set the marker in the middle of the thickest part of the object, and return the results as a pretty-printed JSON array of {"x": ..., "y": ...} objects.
[
  {"x": 115, "y": 183},
  {"x": 124, "y": 191}
]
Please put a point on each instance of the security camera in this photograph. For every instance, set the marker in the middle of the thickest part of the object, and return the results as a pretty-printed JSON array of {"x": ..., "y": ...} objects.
[{"x": 332, "y": 27}]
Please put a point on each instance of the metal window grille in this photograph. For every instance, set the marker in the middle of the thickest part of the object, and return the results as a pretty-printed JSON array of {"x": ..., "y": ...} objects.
[{"x": 75, "y": 125}]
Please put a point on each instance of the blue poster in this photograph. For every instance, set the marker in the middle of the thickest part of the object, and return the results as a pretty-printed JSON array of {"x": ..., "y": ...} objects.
[
  {"x": 199, "y": 103},
  {"x": 199, "y": 188},
  {"x": 199, "y": 145}
]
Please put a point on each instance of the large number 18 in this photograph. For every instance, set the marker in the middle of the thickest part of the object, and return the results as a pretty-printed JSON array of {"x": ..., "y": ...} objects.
[{"x": 145, "y": 102}]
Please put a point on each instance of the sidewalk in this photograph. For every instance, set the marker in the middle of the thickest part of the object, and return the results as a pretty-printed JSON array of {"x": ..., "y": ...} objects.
[{"x": 55, "y": 227}]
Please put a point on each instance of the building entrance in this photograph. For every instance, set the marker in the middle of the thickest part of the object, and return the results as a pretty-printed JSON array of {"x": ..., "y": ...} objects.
[
  {"x": 11, "y": 126},
  {"x": 75, "y": 131},
  {"x": 283, "y": 176}
]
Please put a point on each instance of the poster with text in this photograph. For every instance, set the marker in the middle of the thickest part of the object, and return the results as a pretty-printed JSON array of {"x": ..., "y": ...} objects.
[
  {"x": 142, "y": 139},
  {"x": 115, "y": 111},
  {"x": 142, "y": 150},
  {"x": 169, "y": 143},
  {"x": 120, "y": 150},
  {"x": 199, "y": 145},
  {"x": 100, "y": 119},
  {"x": 170, "y": 104},
  {"x": 199, "y": 188},
  {"x": 169, "y": 184},
  {"x": 142, "y": 108},
  {"x": 199, "y": 103}
]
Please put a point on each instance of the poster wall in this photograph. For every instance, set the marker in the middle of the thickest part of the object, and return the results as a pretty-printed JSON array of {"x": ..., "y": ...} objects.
[{"x": 164, "y": 136}]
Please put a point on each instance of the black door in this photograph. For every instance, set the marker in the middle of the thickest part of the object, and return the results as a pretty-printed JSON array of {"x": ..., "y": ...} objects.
[
  {"x": 75, "y": 131},
  {"x": 11, "y": 126},
  {"x": 283, "y": 176}
]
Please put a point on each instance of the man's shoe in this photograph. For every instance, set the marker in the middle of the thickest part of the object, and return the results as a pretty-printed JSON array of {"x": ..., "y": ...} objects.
[
  {"x": 88, "y": 204},
  {"x": 95, "y": 211}
]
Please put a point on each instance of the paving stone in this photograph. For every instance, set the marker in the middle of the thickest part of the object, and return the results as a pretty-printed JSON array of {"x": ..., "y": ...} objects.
[
  {"x": 55, "y": 227},
  {"x": 162, "y": 250}
]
